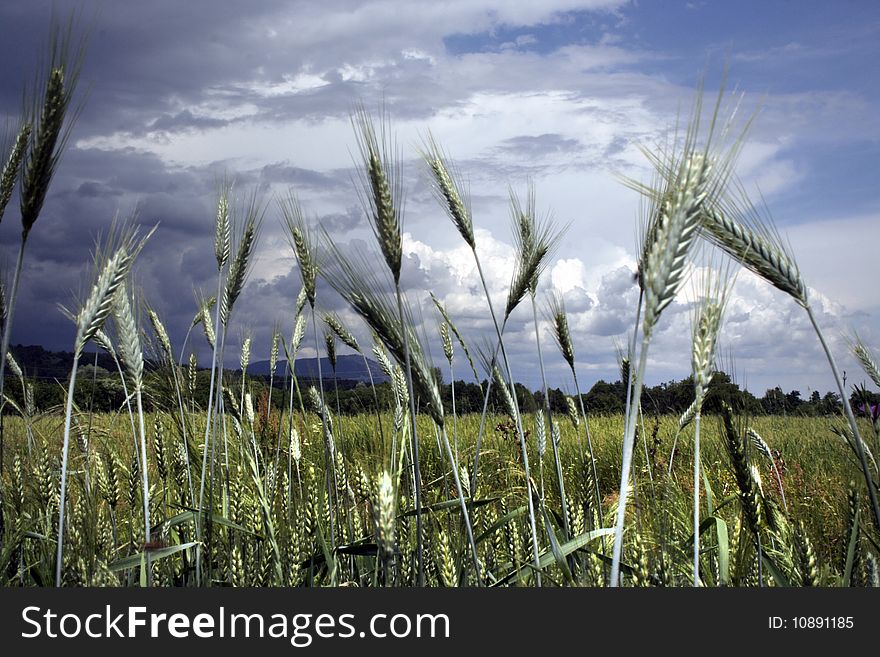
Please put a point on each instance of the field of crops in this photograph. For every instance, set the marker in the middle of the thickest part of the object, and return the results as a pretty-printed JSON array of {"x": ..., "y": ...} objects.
[
  {"x": 272, "y": 524},
  {"x": 236, "y": 492}
]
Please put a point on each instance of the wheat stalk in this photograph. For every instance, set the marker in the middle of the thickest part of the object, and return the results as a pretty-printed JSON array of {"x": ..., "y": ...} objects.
[
  {"x": 381, "y": 194},
  {"x": 688, "y": 179},
  {"x": 529, "y": 263},
  {"x": 132, "y": 356},
  {"x": 111, "y": 272},
  {"x": 13, "y": 164},
  {"x": 736, "y": 226},
  {"x": 706, "y": 324},
  {"x": 52, "y": 120},
  {"x": 534, "y": 234},
  {"x": 441, "y": 308},
  {"x": 380, "y": 188},
  {"x": 241, "y": 264},
  {"x": 223, "y": 227},
  {"x": 304, "y": 247},
  {"x": 39, "y": 159},
  {"x": 757, "y": 248},
  {"x": 449, "y": 190},
  {"x": 866, "y": 360},
  {"x": 555, "y": 313},
  {"x": 227, "y": 293}
]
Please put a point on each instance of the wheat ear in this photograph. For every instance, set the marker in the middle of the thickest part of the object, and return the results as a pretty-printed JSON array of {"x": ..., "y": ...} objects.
[
  {"x": 449, "y": 190},
  {"x": 13, "y": 164},
  {"x": 753, "y": 241},
  {"x": 111, "y": 271},
  {"x": 866, "y": 360},
  {"x": 380, "y": 187},
  {"x": 687, "y": 180}
]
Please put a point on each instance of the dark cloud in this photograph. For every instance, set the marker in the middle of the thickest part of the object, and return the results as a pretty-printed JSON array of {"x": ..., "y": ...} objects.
[
  {"x": 185, "y": 120},
  {"x": 158, "y": 74},
  {"x": 299, "y": 178},
  {"x": 93, "y": 189},
  {"x": 342, "y": 223},
  {"x": 540, "y": 145}
]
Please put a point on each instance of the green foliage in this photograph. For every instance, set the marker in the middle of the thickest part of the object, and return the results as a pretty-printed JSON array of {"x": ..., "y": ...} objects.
[{"x": 106, "y": 541}]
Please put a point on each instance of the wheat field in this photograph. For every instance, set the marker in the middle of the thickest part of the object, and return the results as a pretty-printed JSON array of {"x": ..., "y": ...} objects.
[{"x": 165, "y": 491}]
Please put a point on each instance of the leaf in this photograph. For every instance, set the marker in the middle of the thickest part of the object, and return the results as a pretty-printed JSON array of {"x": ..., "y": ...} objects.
[
  {"x": 187, "y": 516},
  {"x": 723, "y": 551},
  {"x": 710, "y": 497},
  {"x": 448, "y": 505},
  {"x": 726, "y": 501},
  {"x": 498, "y": 524},
  {"x": 852, "y": 548},
  {"x": 626, "y": 569},
  {"x": 723, "y": 547},
  {"x": 361, "y": 548},
  {"x": 135, "y": 560},
  {"x": 577, "y": 543},
  {"x": 554, "y": 547},
  {"x": 780, "y": 579},
  {"x": 143, "y": 577}
]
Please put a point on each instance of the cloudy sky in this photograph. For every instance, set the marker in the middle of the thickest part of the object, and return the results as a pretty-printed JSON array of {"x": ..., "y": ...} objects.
[{"x": 560, "y": 92}]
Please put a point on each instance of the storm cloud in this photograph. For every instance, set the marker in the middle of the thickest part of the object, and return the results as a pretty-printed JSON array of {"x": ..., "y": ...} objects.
[{"x": 178, "y": 97}]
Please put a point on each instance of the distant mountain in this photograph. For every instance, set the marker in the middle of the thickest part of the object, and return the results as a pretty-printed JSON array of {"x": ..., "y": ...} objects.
[
  {"x": 39, "y": 363},
  {"x": 42, "y": 364},
  {"x": 348, "y": 367}
]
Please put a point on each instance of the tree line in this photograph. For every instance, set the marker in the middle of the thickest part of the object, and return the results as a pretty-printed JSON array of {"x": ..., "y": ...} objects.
[{"x": 100, "y": 390}]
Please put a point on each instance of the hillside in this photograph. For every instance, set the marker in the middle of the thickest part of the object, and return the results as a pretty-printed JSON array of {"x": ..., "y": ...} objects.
[{"x": 40, "y": 363}]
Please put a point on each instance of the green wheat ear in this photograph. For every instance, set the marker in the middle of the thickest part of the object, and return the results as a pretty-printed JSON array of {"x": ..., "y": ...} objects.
[
  {"x": 381, "y": 191},
  {"x": 304, "y": 248},
  {"x": 12, "y": 166},
  {"x": 243, "y": 260},
  {"x": 449, "y": 189},
  {"x": 51, "y": 117},
  {"x": 536, "y": 239}
]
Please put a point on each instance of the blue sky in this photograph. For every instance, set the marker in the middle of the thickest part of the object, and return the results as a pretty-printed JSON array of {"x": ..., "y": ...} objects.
[{"x": 561, "y": 92}]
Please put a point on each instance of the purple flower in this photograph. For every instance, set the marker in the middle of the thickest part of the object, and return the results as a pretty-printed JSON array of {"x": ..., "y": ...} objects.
[{"x": 874, "y": 410}]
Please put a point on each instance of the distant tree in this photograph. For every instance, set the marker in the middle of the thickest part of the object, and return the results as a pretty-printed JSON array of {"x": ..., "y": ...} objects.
[
  {"x": 773, "y": 401},
  {"x": 605, "y": 398},
  {"x": 526, "y": 399},
  {"x": 831, "y": 404},
  {"x": 793, "y": 401}
]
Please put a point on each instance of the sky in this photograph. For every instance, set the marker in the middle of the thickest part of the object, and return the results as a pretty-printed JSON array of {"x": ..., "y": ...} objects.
[{"x": 564, "y": 94}]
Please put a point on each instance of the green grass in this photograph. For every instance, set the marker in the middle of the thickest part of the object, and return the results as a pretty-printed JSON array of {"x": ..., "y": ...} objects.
[{"x": 251, "y": 521}]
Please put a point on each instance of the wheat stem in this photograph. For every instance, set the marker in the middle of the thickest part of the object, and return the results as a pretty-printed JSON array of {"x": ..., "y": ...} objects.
[
  {"x": 628, "y": 440},
  {"x": 7, "y": 329},
  {"x": 697, "y": 500},
  {"x": 847, "y": 409},
  {"x": 59, "y": 553},
  {"x": 522, "y": 439},
  {"x": 559, "y": 479}
]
